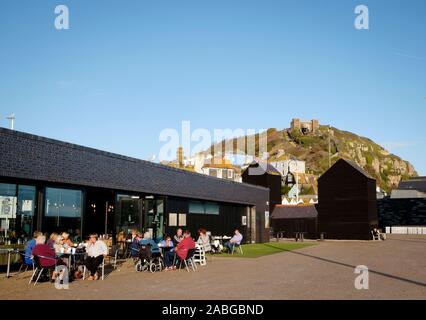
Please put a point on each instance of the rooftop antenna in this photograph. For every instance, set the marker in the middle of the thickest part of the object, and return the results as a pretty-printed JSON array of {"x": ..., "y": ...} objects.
[{"x": 12, "y": 120}]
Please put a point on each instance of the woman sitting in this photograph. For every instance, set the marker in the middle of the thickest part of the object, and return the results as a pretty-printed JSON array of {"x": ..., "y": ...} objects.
[
  {"x": 169, "y": 253},
  {"x": 204, "y": 240}
]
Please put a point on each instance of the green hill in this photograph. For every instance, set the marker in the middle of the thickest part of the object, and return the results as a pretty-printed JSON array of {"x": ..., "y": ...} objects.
[{"x": 388, "y": 169}]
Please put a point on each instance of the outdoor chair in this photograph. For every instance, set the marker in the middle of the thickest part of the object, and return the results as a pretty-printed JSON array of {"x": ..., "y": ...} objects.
[
  {"x": 375, "y": 236},
  {"x": 189, "y": 261},
  {"x": 113, "y": 256},
  {"x": 101, "y": 266},
  {"x": 239, "y": 248},
  {"x": 39, "y": 268},
  {"x": 24, "y": 264},
  {"x": 200, "y": 255}
]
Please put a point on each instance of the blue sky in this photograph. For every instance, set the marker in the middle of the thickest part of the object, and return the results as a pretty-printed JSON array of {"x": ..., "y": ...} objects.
[{"x": 128, "y": 69}]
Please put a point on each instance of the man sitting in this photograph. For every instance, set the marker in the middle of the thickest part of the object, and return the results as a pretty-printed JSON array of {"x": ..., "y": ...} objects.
[
  {"x": 235, "y": 240},
  {"x": 96, "y": 252}
]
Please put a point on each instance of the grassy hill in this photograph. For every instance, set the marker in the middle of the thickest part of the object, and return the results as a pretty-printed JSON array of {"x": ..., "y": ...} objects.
[{"x": 388, "y": 169}]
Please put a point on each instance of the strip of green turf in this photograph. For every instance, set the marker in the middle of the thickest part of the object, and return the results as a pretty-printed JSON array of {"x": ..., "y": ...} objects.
[{"x": 256, "y": 250}]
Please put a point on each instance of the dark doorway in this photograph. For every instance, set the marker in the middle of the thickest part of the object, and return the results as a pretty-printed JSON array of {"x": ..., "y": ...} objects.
[{"x": 99, "y": 213}]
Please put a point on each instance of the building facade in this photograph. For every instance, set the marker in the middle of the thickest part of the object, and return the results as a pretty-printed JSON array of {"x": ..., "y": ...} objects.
[
  {"x": 347, "y": 204},
  {"x": 51, "y": 185}
]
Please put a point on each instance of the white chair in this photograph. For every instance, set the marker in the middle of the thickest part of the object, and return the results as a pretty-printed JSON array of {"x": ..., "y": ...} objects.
[
  {"x": 239, "y": 247},
  {"x": 101, "y": 266},
  {"x": 200, "y": 255},
  {"x": 375, "y": 237}
]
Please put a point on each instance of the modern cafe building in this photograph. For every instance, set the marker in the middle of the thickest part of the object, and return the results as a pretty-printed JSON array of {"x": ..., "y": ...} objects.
[{"x": 55, "y": 186}]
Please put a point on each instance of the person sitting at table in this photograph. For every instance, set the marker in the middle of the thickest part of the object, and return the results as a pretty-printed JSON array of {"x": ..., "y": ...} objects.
[
  {"x": 58, "y": 246},
  {"x": 132, "y": 235},
  {"x": 134, "y": 246},
  {"x": 167, "y": 245},
  {"x": 52, "y": 240},
  {"x": 185, "y": 245},
  {"x": 96, "y": 252},
  {"x": 235, "y": 240},
  {"x": 147, "y": 241},
  {"x": 204, "y": 240},
  {"x": 67, "y": 241},
  {"x": 178, "y": 237},
  {"x": 47, "y": 256},
  {"x": 29, "y": 248}
]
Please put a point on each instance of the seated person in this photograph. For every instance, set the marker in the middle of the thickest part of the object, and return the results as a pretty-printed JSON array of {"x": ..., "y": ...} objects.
[
  {"x": 96, "y": 252},
  {"x": 58, "y": 246},
  {"x": 29, "y": 248},
  {"x": 52, "y": 240},
  {"x": 178, "y": 237},
  {"x": 147, "y": 241},
  {"x": 235, "y": 240},
  {"x": 134, "y": 246},
  {"x": 169, "y": 254},
  {"x": 185, "y": 245},
  {"x": 46, "y": 255},
  {"x": 204, "y": 240},
  {"x": 132, "y": 235},
  {"x": 67, "y": 241}
]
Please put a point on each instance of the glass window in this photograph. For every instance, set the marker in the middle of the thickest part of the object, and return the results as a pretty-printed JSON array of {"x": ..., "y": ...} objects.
[
  {"x": 199, "y": 207},
  {"x": 196, "y": 207},
  {"x": 17, "y": 204},
  {"x": 63, "y": 210},
  {"x": 211, "y": 208},
  {"x": 63, "y": 203},
  {"x": 26, "y": 208},
  {"x": 128, "y": 212},
  {"x": 7, "y": 190}
]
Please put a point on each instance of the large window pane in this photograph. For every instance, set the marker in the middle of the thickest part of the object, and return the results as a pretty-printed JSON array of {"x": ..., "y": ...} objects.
[
  {"x": 196, "y": 207},
  {"x": 62, "y": 210},
  {"x": 211, "y": 208},
  {"x": 17, "y": 204},
  {"x": 26, "y": 207},
  {"x": 63, "y": 203}
]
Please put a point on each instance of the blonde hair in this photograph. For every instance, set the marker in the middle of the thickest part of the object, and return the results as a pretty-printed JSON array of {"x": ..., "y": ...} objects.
[
  {"x": 53, "y": 236},
  {"x": 58, "y": 239}
]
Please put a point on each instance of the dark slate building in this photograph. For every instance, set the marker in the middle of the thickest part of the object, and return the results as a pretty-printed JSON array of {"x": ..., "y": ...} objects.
[
  {"x": 292, "y": 219},
  {"x": 347, "y": 205},
  {"x": 51, "y": 185}
]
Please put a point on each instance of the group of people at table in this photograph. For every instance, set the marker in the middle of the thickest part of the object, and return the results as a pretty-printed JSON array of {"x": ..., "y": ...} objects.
[
  {"x": 57, "y": 249},
  {"x": 178, "y": 246}
]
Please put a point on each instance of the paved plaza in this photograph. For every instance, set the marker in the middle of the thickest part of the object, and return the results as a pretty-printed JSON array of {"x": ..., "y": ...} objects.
[{"x": 397, "y": 270}]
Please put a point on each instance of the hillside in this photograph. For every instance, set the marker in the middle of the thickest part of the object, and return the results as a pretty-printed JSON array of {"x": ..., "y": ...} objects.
[{"x": 386, "y": 168}]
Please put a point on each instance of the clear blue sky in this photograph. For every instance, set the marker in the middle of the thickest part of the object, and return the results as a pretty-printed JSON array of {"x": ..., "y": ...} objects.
[{"x": 128, "y": 69}]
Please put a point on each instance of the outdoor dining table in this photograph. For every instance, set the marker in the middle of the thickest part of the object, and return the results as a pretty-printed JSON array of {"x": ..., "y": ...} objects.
[{"x": 71, "y": 256}]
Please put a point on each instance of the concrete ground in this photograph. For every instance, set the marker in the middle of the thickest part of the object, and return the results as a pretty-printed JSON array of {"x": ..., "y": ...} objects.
[{"x": 397, "y": 270}]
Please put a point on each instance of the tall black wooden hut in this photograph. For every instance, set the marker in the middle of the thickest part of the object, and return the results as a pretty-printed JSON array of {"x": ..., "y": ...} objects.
[
  {"x": 267, "y": 176},
  {"x": 347, "y": 205}
]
